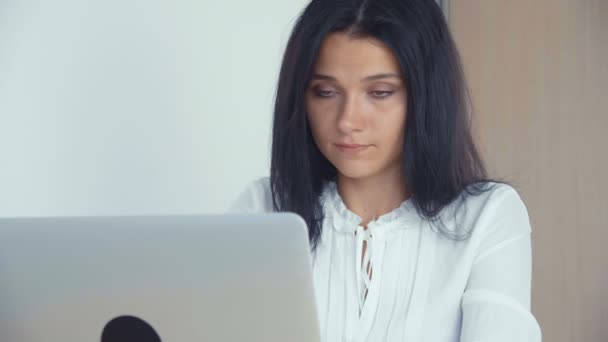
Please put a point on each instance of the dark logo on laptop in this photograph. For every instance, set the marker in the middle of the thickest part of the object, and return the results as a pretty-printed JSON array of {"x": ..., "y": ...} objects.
[{"x": 129, "y": 329}]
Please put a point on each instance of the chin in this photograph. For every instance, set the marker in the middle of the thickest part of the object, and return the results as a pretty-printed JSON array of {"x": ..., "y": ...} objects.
[{"x": 356, "y": 171}]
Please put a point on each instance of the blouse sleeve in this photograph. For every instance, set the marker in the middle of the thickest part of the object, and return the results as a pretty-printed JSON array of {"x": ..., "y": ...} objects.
[
  {"x": 496, "y": 301},
  {"x": 255, "y": 198}
]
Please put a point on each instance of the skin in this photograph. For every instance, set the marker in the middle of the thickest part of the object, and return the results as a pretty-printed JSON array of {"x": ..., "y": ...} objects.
[{"x": 357, "y": 96}]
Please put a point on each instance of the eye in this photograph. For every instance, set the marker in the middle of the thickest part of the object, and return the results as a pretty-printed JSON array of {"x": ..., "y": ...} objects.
[
  {"x": 324, "y": 93},
  {"x": 381, "y": 93}
]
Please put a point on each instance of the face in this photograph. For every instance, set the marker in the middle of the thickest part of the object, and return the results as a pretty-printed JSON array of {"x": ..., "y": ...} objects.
[{"x": 356, "y": 106}]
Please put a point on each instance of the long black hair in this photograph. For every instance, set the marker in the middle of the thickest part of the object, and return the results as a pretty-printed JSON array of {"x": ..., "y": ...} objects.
[{"x": 440, "y": 160}]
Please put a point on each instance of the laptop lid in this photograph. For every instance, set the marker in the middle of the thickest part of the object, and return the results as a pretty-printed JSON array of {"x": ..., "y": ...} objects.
[{"x": 244, "y": 277}]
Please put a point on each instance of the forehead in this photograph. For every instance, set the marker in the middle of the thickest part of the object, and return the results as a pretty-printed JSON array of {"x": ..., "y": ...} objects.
[{"x": 341, "y": 55}]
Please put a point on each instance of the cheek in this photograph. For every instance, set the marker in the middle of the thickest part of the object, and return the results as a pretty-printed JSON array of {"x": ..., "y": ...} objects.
[
  {"x": 320, "y": 123},
  {"x": 392, "y": 126},
  {"x": 316, "y": 129}
]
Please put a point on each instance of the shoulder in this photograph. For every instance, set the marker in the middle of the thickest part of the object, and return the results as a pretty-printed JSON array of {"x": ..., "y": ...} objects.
[
  {"x": 498, "y": 201},
  {"x": 498, "y": 212},
  {"x": 502, "y": 206},
  {"x": 497, "y": 217},
  {"x": 256, "y": 197}
]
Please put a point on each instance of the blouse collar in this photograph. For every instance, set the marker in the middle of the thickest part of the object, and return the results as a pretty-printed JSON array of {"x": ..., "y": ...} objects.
[{"x": 347, "y": 221}]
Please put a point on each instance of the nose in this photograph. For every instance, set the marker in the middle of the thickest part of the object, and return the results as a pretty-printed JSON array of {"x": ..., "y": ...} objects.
[{"x": 351, "y": 117}]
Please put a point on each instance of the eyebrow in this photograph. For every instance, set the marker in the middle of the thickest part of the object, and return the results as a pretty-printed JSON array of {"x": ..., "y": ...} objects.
[{"x": 368, "y": 78}]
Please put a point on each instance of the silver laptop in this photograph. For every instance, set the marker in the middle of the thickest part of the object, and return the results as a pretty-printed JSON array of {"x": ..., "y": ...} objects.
[{"x": 156, "y": 278}]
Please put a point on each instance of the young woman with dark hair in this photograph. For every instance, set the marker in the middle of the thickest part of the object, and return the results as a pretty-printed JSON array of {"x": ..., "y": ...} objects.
[{"x": 372, "y": 146}]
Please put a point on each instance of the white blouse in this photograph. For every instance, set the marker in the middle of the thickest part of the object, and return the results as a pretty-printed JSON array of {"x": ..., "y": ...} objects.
[{"x": 423, "y": 287}]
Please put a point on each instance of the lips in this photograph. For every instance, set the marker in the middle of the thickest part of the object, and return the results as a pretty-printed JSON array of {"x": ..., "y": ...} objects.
[
  {"x": 351, "y": 148},
  {"x": 350, "y": 145}
]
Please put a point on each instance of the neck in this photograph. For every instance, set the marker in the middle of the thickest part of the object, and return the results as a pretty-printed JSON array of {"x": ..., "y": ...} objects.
[{"x": 374, "y": 196}]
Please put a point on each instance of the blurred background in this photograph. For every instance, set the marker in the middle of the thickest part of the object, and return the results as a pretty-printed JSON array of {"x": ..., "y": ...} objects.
[
  {"x": 157, "y": 107},
  {"x": 538, "y": 73},
  {"x": 132, "y": 107}
]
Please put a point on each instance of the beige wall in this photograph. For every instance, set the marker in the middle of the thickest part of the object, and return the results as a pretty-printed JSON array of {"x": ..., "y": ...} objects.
[{"x": 538, "y": 71}]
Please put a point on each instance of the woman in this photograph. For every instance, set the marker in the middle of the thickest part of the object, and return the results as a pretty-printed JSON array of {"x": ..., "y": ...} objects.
[{"x": 372, "y": 147}]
